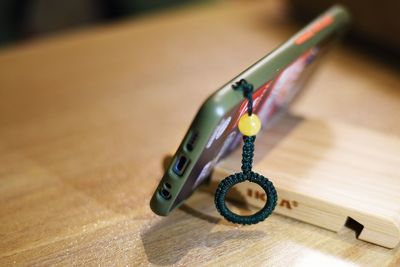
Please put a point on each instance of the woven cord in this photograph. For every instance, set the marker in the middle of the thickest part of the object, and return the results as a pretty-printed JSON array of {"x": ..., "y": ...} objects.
[
  {"x": 248, "y": 153},
  {"x": 246, "y": 175}
]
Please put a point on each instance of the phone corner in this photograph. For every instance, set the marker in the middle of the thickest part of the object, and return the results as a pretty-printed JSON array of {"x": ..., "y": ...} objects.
[
  {"x": 342, "y": 13},
  {"x": 157, "y": 207}
]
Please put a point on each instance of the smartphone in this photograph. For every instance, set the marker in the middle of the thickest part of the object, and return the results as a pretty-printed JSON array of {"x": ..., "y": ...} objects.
[{"x": 277, "y": 79}]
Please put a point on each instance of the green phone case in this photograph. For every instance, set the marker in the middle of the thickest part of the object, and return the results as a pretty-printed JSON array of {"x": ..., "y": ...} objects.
[{"x": 224, "y": 99}]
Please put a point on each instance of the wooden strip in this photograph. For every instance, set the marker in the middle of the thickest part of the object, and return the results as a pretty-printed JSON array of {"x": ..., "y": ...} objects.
[{"x": 330, "y": 175}]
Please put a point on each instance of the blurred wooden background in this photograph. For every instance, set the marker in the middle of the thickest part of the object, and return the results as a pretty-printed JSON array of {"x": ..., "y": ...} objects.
[{"x": 87, "y": 117}]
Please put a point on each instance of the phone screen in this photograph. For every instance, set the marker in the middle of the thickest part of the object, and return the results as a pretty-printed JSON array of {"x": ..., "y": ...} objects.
[{"x": 269, "y": 98}]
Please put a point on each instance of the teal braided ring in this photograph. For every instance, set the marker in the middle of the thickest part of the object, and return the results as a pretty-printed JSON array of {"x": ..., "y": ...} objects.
[{"x": 236, "y": 178}]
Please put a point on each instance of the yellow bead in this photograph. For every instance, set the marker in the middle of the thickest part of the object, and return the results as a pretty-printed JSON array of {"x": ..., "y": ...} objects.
[{"x": 249, "y": 125}]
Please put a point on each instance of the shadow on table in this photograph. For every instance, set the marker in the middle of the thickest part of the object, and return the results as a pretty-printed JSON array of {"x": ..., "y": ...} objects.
[{"x": 171, "y": 238}]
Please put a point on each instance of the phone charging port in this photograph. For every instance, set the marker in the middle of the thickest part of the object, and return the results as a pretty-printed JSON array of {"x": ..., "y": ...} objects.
[{"x": 180, "y": 165}]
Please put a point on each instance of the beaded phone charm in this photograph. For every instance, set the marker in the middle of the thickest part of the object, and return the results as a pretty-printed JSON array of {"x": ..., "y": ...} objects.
[{"x": 249, "y": 125}]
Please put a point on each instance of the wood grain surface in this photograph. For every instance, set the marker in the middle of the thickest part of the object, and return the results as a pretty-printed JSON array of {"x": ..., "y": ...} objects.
[
  {"x": 87, "y": 117},
  {"x": 332, "y": 175}
]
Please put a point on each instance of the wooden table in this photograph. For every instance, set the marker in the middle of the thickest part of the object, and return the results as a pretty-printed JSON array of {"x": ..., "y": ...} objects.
[{"x": 87, "y": 117}]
